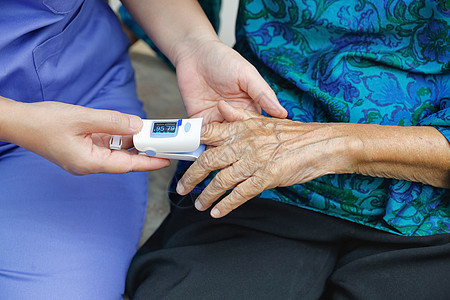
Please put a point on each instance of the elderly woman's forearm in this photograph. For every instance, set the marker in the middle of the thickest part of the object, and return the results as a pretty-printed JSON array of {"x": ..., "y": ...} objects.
[
  {"x": 420, "y": 154},
  {"x": 255, "y": 153}
]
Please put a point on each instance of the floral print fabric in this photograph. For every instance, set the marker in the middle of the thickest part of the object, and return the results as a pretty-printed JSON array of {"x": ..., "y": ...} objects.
[{"x": 357, "y": 61}]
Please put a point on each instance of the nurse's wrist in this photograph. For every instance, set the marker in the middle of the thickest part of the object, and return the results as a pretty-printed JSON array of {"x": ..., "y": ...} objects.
[{"x": 190, "y": 46}]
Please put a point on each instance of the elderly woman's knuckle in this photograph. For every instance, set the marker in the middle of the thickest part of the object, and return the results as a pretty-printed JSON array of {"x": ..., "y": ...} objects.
[
  {"x": 230, "y": 153},
  {"x": 221, "y": 181},
  {"x": 244, "y": 128},
  {"x": 223, "y": 158},
  {"x": 258, "y": 181},
  {"x": 208, "y": 131},
  {"x": 244, "y": 170},
  {"x": 223, "y": 131},
  {"x": 206, "y": 159},
  {"x": 239, "y": 195}
]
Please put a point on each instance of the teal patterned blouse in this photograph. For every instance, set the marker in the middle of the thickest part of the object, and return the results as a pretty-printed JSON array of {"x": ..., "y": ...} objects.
[{"x": 367, "y": 61}]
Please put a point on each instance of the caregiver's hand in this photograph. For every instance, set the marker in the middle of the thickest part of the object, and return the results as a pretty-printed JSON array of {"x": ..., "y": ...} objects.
[
  {"x": 73, "y": 137},
  {"x": 212, "y": 71},
  {"x": 207, "y": 70},
  {"x": 256, "y": 153}
]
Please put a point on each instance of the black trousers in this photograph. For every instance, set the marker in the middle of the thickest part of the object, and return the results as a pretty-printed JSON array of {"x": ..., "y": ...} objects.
[{"x": 270, "y": 250}]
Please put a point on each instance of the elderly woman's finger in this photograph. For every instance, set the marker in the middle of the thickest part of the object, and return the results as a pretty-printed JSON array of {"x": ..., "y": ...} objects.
[
  {"x": 210, "y": 160},
  {"x": 245, "y": 191},
  {"x": 222, "y": 182},
  {"x": 217, "y": 134}
]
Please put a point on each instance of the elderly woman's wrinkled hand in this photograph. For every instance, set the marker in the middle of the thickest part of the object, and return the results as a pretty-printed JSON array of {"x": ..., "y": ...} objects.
[{"x": 255, "y": 153}]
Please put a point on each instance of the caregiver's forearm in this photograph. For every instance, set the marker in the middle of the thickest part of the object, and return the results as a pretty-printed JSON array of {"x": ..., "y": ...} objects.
[
  {"x": 8, "y": 118},
  {"x": 175, "y": 26},
  {"x": 417, "y": 153}
]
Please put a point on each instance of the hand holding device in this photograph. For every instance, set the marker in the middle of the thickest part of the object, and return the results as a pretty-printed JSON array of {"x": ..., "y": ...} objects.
[{"x": 74, "y": 137}]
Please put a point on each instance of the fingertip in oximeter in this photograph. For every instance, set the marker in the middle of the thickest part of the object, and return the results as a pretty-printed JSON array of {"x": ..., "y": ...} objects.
[{"x": 172, "y": 139}]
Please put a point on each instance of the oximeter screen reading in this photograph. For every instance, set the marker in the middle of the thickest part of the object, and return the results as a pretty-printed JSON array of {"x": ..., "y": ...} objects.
[{"x": 164, "y": 127}]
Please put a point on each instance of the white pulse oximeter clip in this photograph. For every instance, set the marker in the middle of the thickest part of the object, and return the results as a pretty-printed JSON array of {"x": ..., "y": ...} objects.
[{"x": 172, "y": 139}]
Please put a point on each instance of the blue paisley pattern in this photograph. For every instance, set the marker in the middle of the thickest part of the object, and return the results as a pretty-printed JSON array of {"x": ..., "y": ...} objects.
[{"x": 357, "y": 61}]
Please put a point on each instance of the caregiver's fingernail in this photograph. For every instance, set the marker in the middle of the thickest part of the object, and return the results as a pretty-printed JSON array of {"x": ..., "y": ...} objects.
[
  {"x": 215, "y": 213},
  {"x": 198, "y": 205},
  {"x": 180, "y": 188}
]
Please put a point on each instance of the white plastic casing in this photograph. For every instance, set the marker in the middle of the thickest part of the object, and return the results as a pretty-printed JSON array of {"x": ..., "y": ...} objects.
[{"x": 178, "y": 145}]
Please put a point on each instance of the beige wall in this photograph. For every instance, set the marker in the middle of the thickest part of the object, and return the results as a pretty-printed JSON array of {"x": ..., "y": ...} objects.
[{"x": 228, "y": 19}]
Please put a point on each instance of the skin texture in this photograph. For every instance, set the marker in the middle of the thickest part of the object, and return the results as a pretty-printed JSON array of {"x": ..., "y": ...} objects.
[
  {"x": 75, "y": 138},
  {"x": 208, "y": 71},
  {"x": 255, "y": 153}
]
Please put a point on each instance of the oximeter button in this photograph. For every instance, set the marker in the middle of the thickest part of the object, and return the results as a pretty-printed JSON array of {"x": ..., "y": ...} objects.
[
  {"x": 150, "y": 153},
  {"x": 187, "y": 127}
]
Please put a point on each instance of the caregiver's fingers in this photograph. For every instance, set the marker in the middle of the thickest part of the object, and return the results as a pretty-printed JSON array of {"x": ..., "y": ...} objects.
[
  {"x": 129, "y": 161},
  {"x": 232, "y": 114},
  {"x": 222, "y": 182},
  {"x": 245, "y": 191},
  {"x": 103, "y": 160},
  {"x": 107, "y": 121},
  {"x": 260, "y": 91},
  {"x": 210, "y": 160}
]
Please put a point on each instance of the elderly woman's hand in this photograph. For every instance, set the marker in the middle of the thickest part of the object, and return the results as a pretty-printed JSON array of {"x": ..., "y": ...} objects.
[{"x": 257, "y": 153}]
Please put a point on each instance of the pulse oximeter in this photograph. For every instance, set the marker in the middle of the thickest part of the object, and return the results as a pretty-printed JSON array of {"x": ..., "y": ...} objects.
[{"x": 171, "y": 138}]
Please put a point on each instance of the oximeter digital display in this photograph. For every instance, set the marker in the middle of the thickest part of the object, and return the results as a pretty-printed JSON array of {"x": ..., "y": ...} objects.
[
  {"x": 164, "y": 127},
  {"x": 172, "y": 139}
]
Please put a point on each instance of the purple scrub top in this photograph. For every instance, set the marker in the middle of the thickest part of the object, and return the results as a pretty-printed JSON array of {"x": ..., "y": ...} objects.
[{"x": 65, "y": 236}]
